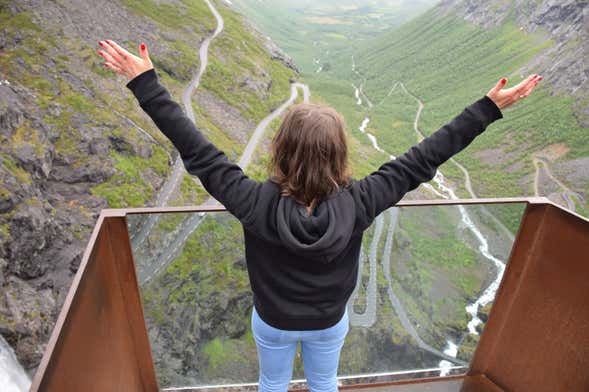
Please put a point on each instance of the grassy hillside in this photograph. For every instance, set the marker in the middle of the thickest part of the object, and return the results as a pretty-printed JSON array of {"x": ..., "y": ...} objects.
[
  {"x": 448, "y": 63},
  {"x": 236, "y": 56},
  {"x": 231, "y": 62},
  {"x": 310, "y": 30},
  {"x": 74, "y": 139}
]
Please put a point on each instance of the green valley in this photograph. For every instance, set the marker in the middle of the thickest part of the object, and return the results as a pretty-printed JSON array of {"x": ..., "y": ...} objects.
[{"x": 75, "y": 141}]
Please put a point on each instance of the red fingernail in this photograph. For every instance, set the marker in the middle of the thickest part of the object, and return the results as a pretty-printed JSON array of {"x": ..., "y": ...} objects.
[
  {"x": 142, "y": 46},
  {"x": 99, "y": 52},
  {"x": 100, "y": 43},
  {"x": 540, "y": 78},
  {"x": 503, "y": 80}
]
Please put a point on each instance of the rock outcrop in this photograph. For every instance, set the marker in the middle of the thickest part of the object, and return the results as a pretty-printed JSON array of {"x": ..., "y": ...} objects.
[
  {"x": 68, "y": 147},
  {"x": 564, "y": 65}
]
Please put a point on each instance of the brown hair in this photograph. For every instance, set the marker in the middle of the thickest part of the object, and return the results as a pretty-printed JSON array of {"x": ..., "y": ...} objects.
[{"x": 310, "y": 153}]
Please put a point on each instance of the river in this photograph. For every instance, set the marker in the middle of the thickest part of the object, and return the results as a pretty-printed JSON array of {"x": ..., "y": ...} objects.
[
  {"x": 13, "y": 377},
  {"x": 446, "y": 192}
]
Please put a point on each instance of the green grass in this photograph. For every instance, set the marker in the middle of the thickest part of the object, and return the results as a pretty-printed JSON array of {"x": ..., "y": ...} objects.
[
  {"x": 15, "y": 169},
  {"x": 207, "y": 277},
  {"x": 195, "y": 14},
  {"x": 226, "y": 67},
  {"x": 127, "y": 188},
  {"x": 287, "y": 22},
  {"x": 5, "y": 231}
]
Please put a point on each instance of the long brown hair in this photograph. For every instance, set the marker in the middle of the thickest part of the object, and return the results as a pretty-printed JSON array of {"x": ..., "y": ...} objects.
[{"x": 310, "y": 153}]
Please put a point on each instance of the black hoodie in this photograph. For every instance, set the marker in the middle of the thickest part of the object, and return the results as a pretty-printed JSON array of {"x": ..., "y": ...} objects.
[{"x": 303, "y": 267}]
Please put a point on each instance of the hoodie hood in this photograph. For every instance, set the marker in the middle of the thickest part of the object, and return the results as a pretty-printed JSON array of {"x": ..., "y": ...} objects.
[{"x": 321, "y": 236}]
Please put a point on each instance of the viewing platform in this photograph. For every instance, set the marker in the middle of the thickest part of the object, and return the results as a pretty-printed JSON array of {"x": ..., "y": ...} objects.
[{"x": 536, "y": 336}]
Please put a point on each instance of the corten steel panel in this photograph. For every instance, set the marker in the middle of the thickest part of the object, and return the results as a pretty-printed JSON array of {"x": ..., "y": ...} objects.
[
  {"x": 403, "y": 203},
  {"x": 443, "y": 384},
  {"x": 100, "y": 341},
  {"x": 539, "y": 321},
  {"x": 460, "y": 383},
  {"x": 537, "y": 335}
]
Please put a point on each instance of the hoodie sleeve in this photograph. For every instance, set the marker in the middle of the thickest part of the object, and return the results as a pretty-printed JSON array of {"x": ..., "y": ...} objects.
[
  {"x": 223, "y": 179},
  {"x": 386, "y": 186}
]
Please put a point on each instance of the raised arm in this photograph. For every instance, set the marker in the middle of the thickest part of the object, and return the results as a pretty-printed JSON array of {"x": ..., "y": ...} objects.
[
  {"x": 223, "y": 179},
  {"x": 386, "y": 186}
]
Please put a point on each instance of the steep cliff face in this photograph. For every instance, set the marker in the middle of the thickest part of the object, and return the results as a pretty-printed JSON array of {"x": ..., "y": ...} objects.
[
  {"x": 564, "y": 65},
  {"x": 74, "y": 141}
]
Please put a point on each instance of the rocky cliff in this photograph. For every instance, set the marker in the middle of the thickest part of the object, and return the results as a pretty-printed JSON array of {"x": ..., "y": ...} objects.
[
  {"x": 566, "y": 22},
  {"x": 74, "y": 141}
]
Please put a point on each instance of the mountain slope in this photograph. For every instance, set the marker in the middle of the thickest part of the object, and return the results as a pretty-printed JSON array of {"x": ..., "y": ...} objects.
[
  {"x": 74, "y": 140},
  {"x": 447, "y": 60},
  {"x": 310, "y": 30}
]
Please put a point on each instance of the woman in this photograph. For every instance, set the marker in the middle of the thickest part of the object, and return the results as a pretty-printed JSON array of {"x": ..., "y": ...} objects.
[{"x": 303, "y": 227}]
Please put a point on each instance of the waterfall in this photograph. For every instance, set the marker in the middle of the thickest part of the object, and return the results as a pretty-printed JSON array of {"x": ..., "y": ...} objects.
[{"x": 13, "y": 377}]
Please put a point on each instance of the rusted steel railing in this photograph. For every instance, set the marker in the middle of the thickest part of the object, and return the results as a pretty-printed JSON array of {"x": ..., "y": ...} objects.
[{"x": 536, "y": 338}]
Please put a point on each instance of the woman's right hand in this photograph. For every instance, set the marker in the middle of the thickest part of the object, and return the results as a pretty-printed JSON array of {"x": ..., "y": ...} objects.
[
  {"x": 123, "y": 62},
  {"x": 504, "y": 98}
]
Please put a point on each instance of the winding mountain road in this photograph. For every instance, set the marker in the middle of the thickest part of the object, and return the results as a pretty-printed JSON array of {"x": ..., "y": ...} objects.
[
  {"x": 445, "y": 192},
  {"x": 567, "y": 193},
  {"x": 489, "y": 293},
  {"x": 178, "y": 170},
  {"x": 368, "y": 317},
  {"x": 186, "y": 228},
  {"x": 467, "y": 182},
  {"x": 246, "y": 157},
  {"x": 395, "y": 301}
]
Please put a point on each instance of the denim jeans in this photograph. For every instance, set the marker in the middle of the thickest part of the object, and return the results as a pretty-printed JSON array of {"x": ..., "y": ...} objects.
[{"x": 320, "y": 350}]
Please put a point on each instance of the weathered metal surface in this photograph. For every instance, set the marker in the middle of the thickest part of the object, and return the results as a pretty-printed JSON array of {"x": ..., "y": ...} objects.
[
  {"x": 445, "y": 384},
  {"x": 100, "y": 341},
  {"x": 462, "y": 383},
  {"x": 362, "y": 381},
  {"x": 416, "y": 382},
  {"x": 402, "y": 203},
  {"x": 537, "y": 335}
]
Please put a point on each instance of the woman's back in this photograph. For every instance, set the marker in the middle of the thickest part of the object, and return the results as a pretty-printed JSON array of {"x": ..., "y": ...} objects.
[{"x": 303, "y": 267}]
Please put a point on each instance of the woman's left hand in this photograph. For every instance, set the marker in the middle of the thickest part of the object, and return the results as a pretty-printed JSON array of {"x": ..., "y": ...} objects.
[
  {"x": 123, "y": 62},
  {"x": 507, "y": 97}
]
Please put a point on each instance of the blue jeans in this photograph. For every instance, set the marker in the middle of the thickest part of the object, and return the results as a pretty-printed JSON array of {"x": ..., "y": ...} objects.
[{"x": 277, "y": 348}]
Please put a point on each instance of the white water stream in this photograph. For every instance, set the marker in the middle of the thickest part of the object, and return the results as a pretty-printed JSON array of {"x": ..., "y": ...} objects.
[
  {"x": 446, "y": 192},
  {"x": 13, "y": 377},
  {"x": 357, "y": 95},
  {"x": 446, "y": 366}
]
